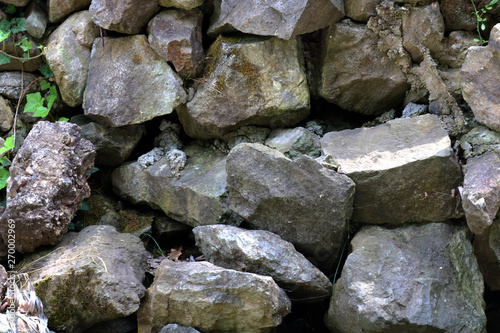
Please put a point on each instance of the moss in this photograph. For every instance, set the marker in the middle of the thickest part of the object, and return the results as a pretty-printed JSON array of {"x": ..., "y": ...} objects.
[
  {"x": 132, "y": 220},
  {"x": 220, "y": 83}
]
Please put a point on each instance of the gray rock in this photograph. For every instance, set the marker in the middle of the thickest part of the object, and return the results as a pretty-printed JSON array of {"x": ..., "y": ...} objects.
[
  {"x": 365, "y": 71},
  {"x": 249, "y": 82},
  {"x": 487, "y": 251},
  {"x": 413, "y": 110},
  {"x": 182, "y": 4},
  {"x": 207, "y": 297},
  {"x": 274, "y": 18},
  {"x": 415, "y": 278},
  {"x": 127, "y": 16},
  {"x": 480, "y": 72},
  {"x": 36, "y": 21},
  {"x": 245, "y": 134},
  {"x": 404, "y": 170},
  {"x": 481, "y": 191},
  {"x": 262, "y": 252},
  {"x": 17, "y": 3},
  {"x": 6, "y": 115},
  {"x": 10, "y": 84},
  {"x": 68, "y": 55},
  {"x": 301, "y": 201},
  {"x": 93, "y": 276},
  {"x": 169, "y": 138},
  {"x": 295, "y": 142},
  {"x": 361, "y": 10},
  {"x": 176, "y": 36},
  {"x": 47, "y": 184},
  {"x": 146, "y": 160},
  {"x": 176, "y": 328},
  {"x": 59, "y": 9},
  {"x": 128, "y": 83},
  {"x": 479, "y": 140}
]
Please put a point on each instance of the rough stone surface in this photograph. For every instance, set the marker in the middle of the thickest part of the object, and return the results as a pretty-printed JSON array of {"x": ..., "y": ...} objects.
[
  {"x": 207, "y": 297},
  {"x": 477, "y": 141},
  {"x": 128, "y": 83},
  {"x": 458, "y": 15},
  {"x": 251, "y": 81},
  {"x": 262, "y": 252},
  {"x": 125, "y": 16},
  {"x": 36, "y": 21},
  {"x": 455, "y": 48},
  {"x": 245, "y": 134},
  {"x": 10, "y": 84},
  {"x": 315, "y": 203},
  {"x": 487, "y": 251},
  {"x": 364, "y": 71},
  {"x": 481, "y": 191},
  {"x": 68, "y": 55},
  {"x": 93, "y": 276},
  {"x": 176, "y": 36},
  {"x": 195, "y": 196},
  {"x": 361, "y": 10},
  {"x": 176, "y": 328},
  {"x": 18, "y": 3},
  {"x": 59, "y": 9},
  {"x": 421, "y": 278},
  {"x": 182, "y": 4},
  {"x": 404, "y": 170},
  {"x": 6, "y": 115},
  {"x": 47, "y": 184},
  {"x": 278, "y": 18},
  {"x": 295, "y": 142}
]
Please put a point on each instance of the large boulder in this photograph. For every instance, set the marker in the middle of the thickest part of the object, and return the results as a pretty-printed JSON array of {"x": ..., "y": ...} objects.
[
  {"x": 47, "y": 184},
  {"x": 303, "y": 202},
  {"x": 211, "y": 298},
  {"x": 68, "y": 55},
  {"x": 92, "y": 276},
  {"x": 283, "y": 19},
  {"x": 352, "y": 65},
  {"x": 249, "y": 81},
  {"x": 414, "y": 278},
  {"x": 262, "y": 252},
  {"x": 129, "y": 83},
  {"x": 404, "y": 170},
  {"x": 59, "y": 9}
]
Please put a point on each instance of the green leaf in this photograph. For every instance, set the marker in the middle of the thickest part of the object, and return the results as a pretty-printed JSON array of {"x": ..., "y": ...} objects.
[
  {"x": 85, "y": 206},
  {"x": 4, "y": 59},
  {"x": 63, "y": 119},
  {"x": 18, "y": 24},
  {"x": 44, "y": 85},
  {"x": 9, "y": 142},
  {"x": 25, "y": 44},
  {"x": 4, "y": 35},
  {"x": 4, "y": 176},
  {"x": 93, "y": 170},
  {"x": 51, "y": 97},
  {"x": 483, "y": 27},
  {"x": 11, "y": 9},
  {"x": 4, "y": 161},
  {"x": 492, "y": 2},
  {"x": 46, "y": 71},
  {"x": 33, "y": 101},
  {"x": 41, "y": 111}
]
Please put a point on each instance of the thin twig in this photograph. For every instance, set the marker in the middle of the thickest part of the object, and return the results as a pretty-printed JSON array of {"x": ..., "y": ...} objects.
[{"x": 19, "y": 102}]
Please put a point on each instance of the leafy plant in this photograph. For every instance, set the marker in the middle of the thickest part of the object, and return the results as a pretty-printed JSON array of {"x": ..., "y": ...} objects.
[
  {"x": 480, "y": 17},
  {"x": 12, "y": 28},
  {"x": 4, "y": 161}
]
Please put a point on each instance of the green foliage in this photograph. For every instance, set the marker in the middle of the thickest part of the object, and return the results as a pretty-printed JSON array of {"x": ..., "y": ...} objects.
[
  {"x": 11, "y": 9},
  {"x": 4, "y": 161},
  {"x": 37, "y": 104},
  {"x": 46, "y": 71},
  {"x": 480, "y": 17}
]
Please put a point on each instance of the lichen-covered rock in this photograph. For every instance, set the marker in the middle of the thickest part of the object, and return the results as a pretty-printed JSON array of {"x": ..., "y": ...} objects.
[
  {"x": 59, "y": 9},
  {"x": 129, "y": 83},
  {"x": 477, "y": 141},
  {"x": 6, "y": 115},
  {"x": 295, "y": 142},
  {"x": 404, "y": 170},
  {"x": 47, "y": 184},
  {"x": 415, "y": 278},
  {"x": 360, "y": 10},
  {"x": 36, "y": 21},
  {"x": 211, "y": 298},
  {"x": 92, "y": 276},
  {"x": 10, "y": 84},
  {"x": 125, "y": 16},
  {"x": 245, "y": 134},
  {"x": 68, "y": 55},
  {"x": 182, "y": 4},
  {"x": 355, "y": 74},
  {"x": 301, "y": 201},
  {"x": 176, "y": 36},
  {"x": 251, "y": 81},
  {"x": 283, "y": 19}
]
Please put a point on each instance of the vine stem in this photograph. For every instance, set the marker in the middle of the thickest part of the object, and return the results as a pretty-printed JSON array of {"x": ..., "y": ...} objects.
[
  {"x": 478, "y": 24},
  {"x": 17, "y": 58},
  {"x": 20, "y": 100}
]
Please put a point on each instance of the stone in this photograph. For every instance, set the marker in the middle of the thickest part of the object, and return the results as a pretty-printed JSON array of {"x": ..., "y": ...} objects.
[
  {"x": 487, "y": 251},
  {"x": 423, "y": 29},
  {"x": 245, "y": 134},
  {"x": 36, "y": 21},
  {"x": 413, "y": 110},
  {"x": 404, "y": 170},
  {"x": 455, "y": 48},
  {"x": 128, "y": 83},
  {"x": 295, "y": 142},
  {"x": 365, "y": 71},
  {"x": 59, "y": 9},
  {"x": 10, "y": 46},
  {"x": 6, "y": 115},
  {"x": 477, "y": 141},
  {"x": 480, "y": 71},
  {"x": 262, "y": 252},
  {"x": 176, "y": 36},
  {"x": 92, "y": 276},
  {"x": 182, "y": 4},
  {"x": 274, "y": 18},
  {"x": 68, "y": 55},
  {"x": 413, "y": 278},
  {"x": 169, "y": 138},
  {"x": 196, "y": 196},
  {"x": 208, "y": 298},
  {"x": 166, "y": 230},
  {"x": 17, "y": 3},
  {"x": 176, "y": 328},
  {"x": 481, "y": 191},
  {"x": 360, "y": 10},
  {"x": 458, "y": 15},
  {"x": 10, "y": 84},
  {"x": 127, "y": 17},
  {"x": 250, "y": 81},
  {"x": 47, "y": 184},
  {"x": 315, "y": 203}
]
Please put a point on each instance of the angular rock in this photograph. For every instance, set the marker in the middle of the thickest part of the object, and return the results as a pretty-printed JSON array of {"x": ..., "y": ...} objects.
[
  {"x": 10, "y": 84},
  {"x": 458, "y": 15},
  {"x": 301, "y": 201},
  {"x": 262, "y": 252},
  {"x": 477, "y": 141},
  {"x": 415, "y": 278},
  {"x": 455, "y": 48},
  {"x": 487, "y": 251},
  {"x": 278, "y": 18},
  {"x": 93, "y": 276},
  {"x": 295, "y": 142},
  {"x": 182, "y": 4},
  {"x": 128, "y": 83},
  {"x": 176, "y": 36},
  {"x": 127, "y": 16},
  {"x": 209, "y": 298},
  {"x": 59, "y": 9},
  {"x": 36, "y": 21},
  {"x": 176, "y": 328},
  {"x": 404, "y": 170},
  {"x": 195, "y": 196},
  {"x": 47, "y": 184},
  {"x": 249, "y": 82},
  {"x": 480, "y": 72},
  {"x": 245, "y": 134},
  {"x": 6, "y": 115},
  {"x": 412, "y": 110},
  {"x": 481, "y": 191},
  {"x": 361, "y": 10},
  {"x": 365, "y": 71},
  {"x": 18, "y": 3},
  {"x": 68, "y": 55}
]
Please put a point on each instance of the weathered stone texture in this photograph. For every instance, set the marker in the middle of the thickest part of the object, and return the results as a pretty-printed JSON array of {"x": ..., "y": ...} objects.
[{"x": 59, "y": 9}]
